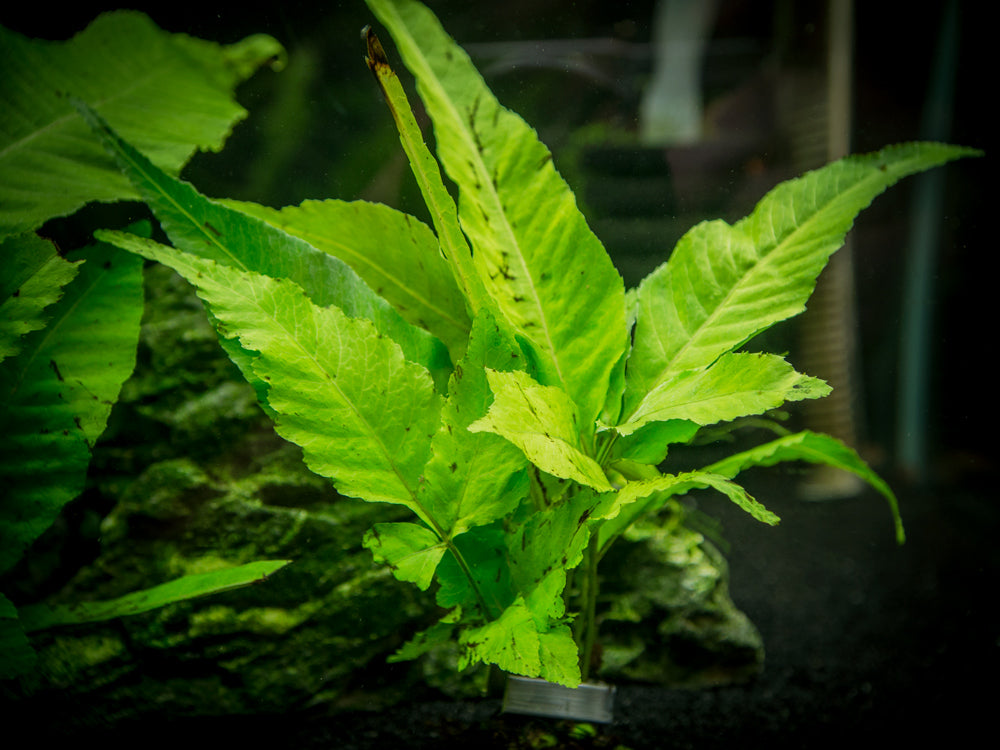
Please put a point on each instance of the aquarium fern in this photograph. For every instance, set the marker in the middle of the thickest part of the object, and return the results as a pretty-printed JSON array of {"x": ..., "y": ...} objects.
[{"x": 490, "y": 373}]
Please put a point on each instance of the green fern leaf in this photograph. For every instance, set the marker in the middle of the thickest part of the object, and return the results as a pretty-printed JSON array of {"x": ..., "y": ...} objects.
[
  {"x": 397, "y": 255},
  {"x": 530, "y": 242},
  {"x": 815, "y": 448},
  {"x": 736, "y": 385},
  {"x": 169, "y": 93},
  {"x": 724, "y": 284},
  {"x": 57, "y": 393},
  {"x": 32, "y": 277},
  {"x": 362, "y": 413}
]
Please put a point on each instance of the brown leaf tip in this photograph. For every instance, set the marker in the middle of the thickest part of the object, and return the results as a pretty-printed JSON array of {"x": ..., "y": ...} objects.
[{"x": 376, "y": 55}]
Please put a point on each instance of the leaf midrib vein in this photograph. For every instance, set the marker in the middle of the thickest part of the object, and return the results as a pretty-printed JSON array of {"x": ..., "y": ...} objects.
[{"x": 497, "y": 209}]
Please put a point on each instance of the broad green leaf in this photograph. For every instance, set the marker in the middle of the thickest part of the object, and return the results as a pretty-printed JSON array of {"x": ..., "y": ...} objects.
[
  {"x": 544, "y": 548},
  {"x": 515, "y": 644},
  {"x": 92, "y": 337},
  {"x": 168, "y": 93},
  {"x": 815, "y": 448},
  {"x": 41, "y": 616},
  {"x": 724, "y": 284},
  {"x": 736, "y": 385},
  {"x": 559, "y": 656},
  {"x": 511, "y": 642},
  {"x": 542, "y": 421},
  {"x": 211, "y": 230},
  {"x": 57, "y": 393},
  {"x": 615, "y": 400},
  {"x": 474, "y": 478},
  {"x": 411, "y": 551},
  {"x": 47, "y": 472},
  {"x": 540, "y": 262},
  {"x": 362, "y": 413},
  {"x": 529, "y": 637},
  {"x": 397, "y": 255},
  {"x": 32, "y": 277}
]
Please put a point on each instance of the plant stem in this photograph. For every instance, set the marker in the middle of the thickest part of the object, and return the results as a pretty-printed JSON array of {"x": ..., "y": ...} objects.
[
  {"x": 590, "y": 606},
  {"x": 605, "y": 443},
  {"x": 488, "y": 612}
]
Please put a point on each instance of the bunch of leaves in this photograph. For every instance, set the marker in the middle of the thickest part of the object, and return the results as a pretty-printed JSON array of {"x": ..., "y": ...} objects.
[
  {"x": 491, "y": 373},
  {"x": 69, "y": 321}
]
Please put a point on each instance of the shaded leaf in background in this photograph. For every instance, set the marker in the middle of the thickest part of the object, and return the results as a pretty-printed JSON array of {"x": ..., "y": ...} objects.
[
  {"x": 32, "y": 277},
  {"x": 17, "y": 657},
  {"x": 56, "y": 395},
  {"x": 39, "y": 616},
  {"x": 169, "y": 93}
]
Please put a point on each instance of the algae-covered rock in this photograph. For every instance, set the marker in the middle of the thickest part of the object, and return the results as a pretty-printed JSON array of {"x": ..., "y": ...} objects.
[
  {"x": 307, "y": 630},
  {"x": 670, "y": 619}
]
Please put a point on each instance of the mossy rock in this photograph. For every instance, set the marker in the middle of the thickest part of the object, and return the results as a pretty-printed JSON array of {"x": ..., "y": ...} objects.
[{"x": 669, "y": 618}]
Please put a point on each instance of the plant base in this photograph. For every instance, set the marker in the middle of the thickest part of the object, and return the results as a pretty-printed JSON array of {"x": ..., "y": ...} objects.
[{"x": 588, "y": 702}]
